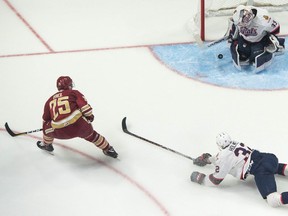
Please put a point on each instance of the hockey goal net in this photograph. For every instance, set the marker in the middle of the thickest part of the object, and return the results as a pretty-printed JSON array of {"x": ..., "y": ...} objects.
[{"x": 216, "y": 8}]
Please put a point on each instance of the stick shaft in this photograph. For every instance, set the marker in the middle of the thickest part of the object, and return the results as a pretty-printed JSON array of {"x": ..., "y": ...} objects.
[
  {"x": 13, "y": 134},
  {"x": 124, "y": 128},
  {"x": 217, "y": 41}
]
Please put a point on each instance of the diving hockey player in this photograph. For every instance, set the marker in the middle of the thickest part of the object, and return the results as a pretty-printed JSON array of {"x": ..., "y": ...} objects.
[
  {"x": 253, "y": 37},
  {"x": 239, "y": 160}
]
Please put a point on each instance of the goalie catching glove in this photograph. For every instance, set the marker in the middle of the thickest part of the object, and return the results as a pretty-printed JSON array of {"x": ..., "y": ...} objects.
[{"x": 202, "y": 160}]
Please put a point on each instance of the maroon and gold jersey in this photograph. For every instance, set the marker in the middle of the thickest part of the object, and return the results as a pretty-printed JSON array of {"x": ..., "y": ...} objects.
[{"x": 66, "y": 107}]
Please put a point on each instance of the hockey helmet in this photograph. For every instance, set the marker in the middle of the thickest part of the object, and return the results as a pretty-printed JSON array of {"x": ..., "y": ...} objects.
[
  {"x": 64, "y": 83},
  {"x": 243, "y": 16},
  {"x": 223, "y": 140}
]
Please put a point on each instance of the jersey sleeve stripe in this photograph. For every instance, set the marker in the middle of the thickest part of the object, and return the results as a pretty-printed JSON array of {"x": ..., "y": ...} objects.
[{"x": 214, "y": 180}]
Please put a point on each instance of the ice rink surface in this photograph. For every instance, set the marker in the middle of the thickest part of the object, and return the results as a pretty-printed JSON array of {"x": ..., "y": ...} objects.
[{"x": 106, "y": 48}]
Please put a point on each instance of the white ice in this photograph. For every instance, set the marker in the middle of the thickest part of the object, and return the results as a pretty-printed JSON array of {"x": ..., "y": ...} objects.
[{"x": 104, "y": 47}]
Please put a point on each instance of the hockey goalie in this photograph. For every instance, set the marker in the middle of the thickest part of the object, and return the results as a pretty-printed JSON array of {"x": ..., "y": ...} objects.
[{"x": 253, "y": 37}]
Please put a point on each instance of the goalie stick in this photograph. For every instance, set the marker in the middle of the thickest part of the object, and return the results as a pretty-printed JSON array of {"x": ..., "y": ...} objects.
[
  {"x": 18, "y": 134},
  {"x": 202, "y": 45},
  {"x": 226, "y": 36},
  {"x": 124, "y": 128},
  {"x": 217, "y": 41}
]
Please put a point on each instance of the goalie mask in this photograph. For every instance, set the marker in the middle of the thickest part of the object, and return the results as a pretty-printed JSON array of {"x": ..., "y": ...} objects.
[
  {"x": 64, "y": 83},
  {"x": 223, "y": 140},
  {"x": 243, "y": 16}
]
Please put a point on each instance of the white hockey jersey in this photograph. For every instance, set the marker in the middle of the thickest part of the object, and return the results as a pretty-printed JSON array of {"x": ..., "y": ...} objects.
[
  {"x": 233, "y": 160},
  {"x": 259, "y": 27}
]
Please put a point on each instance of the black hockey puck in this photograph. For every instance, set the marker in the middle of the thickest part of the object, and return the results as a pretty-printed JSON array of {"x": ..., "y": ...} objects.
[{"x": 220, "y": 56}]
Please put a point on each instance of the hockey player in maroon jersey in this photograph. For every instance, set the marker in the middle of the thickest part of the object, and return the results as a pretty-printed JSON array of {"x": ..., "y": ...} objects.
[
  {"x": 238, "y": 160},
  {"x": 67, "y": 115}
]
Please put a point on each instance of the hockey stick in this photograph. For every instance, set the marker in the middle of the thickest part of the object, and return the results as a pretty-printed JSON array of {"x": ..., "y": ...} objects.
[
  {"x": 18, "y": 134},
  {"x": 217, "y": 41},
  {"x": 124, "y": 128},
  {"x": 203, "y": 46}
]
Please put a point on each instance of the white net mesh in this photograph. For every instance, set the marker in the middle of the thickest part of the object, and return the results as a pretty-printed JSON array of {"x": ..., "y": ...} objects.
[
  {"x": 226, "y": 7},
  {"x": 216, "y": 13}
]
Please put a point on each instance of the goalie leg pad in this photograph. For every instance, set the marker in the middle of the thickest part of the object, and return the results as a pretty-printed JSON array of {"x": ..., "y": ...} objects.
[
  {"x": 235, "y": 55},
  {"x": 256, "y": 50},
  {"x": 263, "y": 60},
  {"x": 238, "y": 61}
]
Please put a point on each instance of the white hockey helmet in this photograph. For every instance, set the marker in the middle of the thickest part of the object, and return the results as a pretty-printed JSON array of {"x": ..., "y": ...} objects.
[
  {"x": 223, "y": 140},
  {"x": 243, "y": 16}
]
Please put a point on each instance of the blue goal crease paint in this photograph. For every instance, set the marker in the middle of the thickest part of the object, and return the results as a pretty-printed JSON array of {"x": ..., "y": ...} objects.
[{"x": 210, "y": 66}]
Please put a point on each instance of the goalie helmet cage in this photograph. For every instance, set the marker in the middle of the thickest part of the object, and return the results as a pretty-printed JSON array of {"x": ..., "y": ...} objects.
[{"x": 210, "y": 8}]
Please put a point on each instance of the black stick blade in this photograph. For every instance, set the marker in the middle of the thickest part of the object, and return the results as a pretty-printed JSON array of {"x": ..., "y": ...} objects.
[
  {"x": 9, "y": 130},
  {"x": 124, "y": 126},
  {"x": 22, "y": 133}
]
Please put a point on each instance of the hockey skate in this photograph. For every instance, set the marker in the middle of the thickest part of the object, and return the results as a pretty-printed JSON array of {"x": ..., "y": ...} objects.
[
  {"x": 110, "y": 152},
  {"x": 43, "y": 146}
]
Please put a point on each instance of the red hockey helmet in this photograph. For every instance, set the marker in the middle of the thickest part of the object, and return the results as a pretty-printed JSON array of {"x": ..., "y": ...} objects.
[{"x": 64, "y": 83}]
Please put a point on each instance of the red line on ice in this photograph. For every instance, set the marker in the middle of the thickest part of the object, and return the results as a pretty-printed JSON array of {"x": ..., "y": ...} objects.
[
  {"x": 28, "y": 25},
  {"x": 111, "y": 168}
]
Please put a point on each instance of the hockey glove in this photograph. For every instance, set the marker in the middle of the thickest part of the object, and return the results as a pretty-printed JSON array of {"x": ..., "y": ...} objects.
[
  {"x": 197, "y": 177},
  {"x": 90, "y": 118},
  {"x": 202, "y": 160}
]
